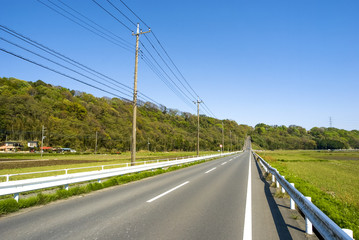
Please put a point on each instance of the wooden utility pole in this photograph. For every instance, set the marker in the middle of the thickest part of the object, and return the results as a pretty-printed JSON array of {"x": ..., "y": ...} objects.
[
  {"x": 42, "y": 139},
  {"x": 133, "y": 147},
  {"x": 222, "y": 136},
  {"x": 96, "y": 143},
  {"x": 198, "y": 102}
]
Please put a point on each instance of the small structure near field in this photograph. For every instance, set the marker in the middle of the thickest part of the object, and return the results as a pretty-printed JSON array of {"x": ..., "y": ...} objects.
[{"x": 11, "y": 147}]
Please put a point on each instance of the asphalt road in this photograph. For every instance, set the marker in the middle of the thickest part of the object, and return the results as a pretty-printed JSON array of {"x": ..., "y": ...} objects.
[{"x": 205, "y": 201}]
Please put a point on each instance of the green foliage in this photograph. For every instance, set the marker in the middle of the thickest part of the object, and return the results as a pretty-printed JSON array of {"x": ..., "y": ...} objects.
[
  {"x": 8, "y": 206},
  {"x": 72, "y": 118},
  {"x": 295, "y": 137}
]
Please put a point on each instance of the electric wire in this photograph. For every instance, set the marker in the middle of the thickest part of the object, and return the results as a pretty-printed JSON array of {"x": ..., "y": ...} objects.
[
  {"x": 151, "y": 65},
  {"x": 93, "y": 22},
  {"x": 168, "y": 77},
  {"x": 126, "y": 43},
  {"x": 60, "y": 73},
  {"x": 72, "y": 62},
  {"x": 83, "y": 75},
  {"x": 124, "y": 47},
  {"x": 121, "y": 13},
  {"x": 164, "y": 50},
  {"x": 194, "y": 97},
  {"x": 112, "y": 15}
]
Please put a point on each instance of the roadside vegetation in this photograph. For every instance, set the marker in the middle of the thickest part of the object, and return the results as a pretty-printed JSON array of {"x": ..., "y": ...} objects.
[{"x": 330, "y": 177}]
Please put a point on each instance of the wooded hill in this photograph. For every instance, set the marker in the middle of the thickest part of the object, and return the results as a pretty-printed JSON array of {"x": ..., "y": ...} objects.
[{"x": 72, "y": 118}]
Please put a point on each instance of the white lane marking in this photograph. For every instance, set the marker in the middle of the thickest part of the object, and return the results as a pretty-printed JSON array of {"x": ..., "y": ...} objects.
[
  {"x": 247, "y": 231},
  {"x": 210, "y": 170},
  {"x": 223, "y": 163},
  {"x": 161, "y": 195}
]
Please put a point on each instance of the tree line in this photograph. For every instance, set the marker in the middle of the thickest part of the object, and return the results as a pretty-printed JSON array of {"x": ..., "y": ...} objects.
[{"x": 79, "y": 120}]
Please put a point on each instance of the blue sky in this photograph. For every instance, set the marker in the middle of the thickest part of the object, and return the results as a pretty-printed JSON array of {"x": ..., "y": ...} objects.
[{"x": 271, "y": 61}]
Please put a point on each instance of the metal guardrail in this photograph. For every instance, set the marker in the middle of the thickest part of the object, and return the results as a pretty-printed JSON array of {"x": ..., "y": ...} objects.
[
  {"x": 102, "y": 167},
  {"x": 16, "y": 187},
  {"x": 325, "y": 226}
]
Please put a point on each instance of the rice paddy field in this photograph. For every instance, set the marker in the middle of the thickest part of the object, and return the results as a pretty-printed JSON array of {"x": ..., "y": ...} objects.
[{"x": 331, "y": 178}]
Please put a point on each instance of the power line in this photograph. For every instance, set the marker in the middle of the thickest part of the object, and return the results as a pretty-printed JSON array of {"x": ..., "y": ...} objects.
[
  {"x": 60, "y": 73},
  {"x": 71, "y": 61},
  {"x": 93, "y": 22},
  {"x": 164, "y": 50},
  {"x": 83, "y": 75},
  {"x": 124, "y": 47},
  {"x": 112, "y": 15},
  {"x": 121, "y": 12}
]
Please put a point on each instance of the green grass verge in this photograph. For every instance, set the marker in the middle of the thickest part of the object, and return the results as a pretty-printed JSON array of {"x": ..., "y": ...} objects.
[
  {"x": 10, "y": 205},
  {"x": 327, "y": 177}
]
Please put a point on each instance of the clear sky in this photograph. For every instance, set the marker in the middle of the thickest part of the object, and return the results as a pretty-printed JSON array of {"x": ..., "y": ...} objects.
[{"x": 278, "y": 62}]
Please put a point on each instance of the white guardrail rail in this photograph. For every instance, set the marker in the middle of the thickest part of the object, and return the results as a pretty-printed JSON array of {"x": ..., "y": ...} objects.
[
  {"x": 19, "y": 186},
  {"x": 313, "y": 215}
]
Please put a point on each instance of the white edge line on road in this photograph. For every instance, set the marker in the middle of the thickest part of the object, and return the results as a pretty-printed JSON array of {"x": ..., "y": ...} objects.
[
  {"x": 223, "y": 163},
  {"x": 247, "y": 230},
  {"x": 210, "y": 170},
  {"x": 161, "y": 195}
]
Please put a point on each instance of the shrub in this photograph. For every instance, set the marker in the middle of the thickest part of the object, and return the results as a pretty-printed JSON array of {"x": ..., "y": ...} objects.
[{"x": 8, "y": 206}]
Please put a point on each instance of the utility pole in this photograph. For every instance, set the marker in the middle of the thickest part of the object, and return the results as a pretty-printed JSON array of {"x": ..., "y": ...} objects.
[
  {"x": 42, "y": 139},
  {"x": 148, "y": 143},
  {"x": 133, "y": 148},
  {"x": 96, "y": 143},
  {"x": 198, "y": 102},
  {"x": 222, "y": 136},
  {"x": 330, "y": 122},
  {"x": 230, "y": 137}
]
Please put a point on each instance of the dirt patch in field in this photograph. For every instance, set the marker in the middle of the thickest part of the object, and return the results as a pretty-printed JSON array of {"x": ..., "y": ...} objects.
[{"x": 41, "y": 163}]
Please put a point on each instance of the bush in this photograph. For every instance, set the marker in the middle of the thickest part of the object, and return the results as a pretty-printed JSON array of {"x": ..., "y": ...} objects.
[{"x": 8, "y": 206}]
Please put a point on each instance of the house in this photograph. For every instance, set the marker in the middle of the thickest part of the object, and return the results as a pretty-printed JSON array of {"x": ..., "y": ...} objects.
[
  {"x": 11, "y": 147},
  {"x": 32, "y": 145}
]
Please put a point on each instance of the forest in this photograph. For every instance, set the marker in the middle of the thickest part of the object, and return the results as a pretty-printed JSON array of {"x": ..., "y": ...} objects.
[{"x": 79, "y": 120}]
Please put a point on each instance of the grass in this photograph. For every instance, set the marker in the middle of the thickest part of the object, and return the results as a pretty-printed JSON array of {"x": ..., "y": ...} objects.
[
  {"x": 10, "y": 205},
  {"x": 330, "y": 178},
  {"x": 13, "y": 163}
]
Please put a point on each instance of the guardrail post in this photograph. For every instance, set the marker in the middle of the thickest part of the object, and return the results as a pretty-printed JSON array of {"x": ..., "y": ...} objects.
[
  {"x": 7, "y": 178},
  {"x": 276, "y": 183},
  {"x": 66, "y": 171},
  {"x": 349, "y": 232},
  {"x": 273, "y": 178},
  {"x": 144, "y": 163},
  {"x": 283, "y": 190},
  {"x": 16, "y": 197},
  {"x": 292, "y": 203},
  {"x": 66, "y": 187},
  {"x": 308, "y": 224},
  {"x": 102, "y": 167},
  {"x": 158, "y": 161},
  {"x": 126, "y": 164}
]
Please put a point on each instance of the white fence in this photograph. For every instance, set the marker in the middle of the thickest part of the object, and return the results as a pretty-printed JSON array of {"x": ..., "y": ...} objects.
[
  {"x": 16, "y": 187},
  {"x": 314, "y": 216}
]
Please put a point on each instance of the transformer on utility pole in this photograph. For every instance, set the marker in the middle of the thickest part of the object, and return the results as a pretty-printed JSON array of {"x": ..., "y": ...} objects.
[{"x": 133, "y": 147}]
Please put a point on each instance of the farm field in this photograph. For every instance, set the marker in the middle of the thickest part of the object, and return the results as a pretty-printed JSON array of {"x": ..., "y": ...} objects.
[
  {"x": 331, "y": 178},
  {"x": 13, "y": 163}
]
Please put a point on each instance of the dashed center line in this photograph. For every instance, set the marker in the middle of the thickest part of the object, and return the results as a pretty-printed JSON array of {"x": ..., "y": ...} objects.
[
  {"x": 161, "y": 195},
  {"x": 223, "y": 163},
  {"x": 211, "y": 170}
]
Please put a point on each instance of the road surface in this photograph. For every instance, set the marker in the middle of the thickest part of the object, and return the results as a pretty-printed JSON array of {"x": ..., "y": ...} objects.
[{"x": 205, "y": 201}]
